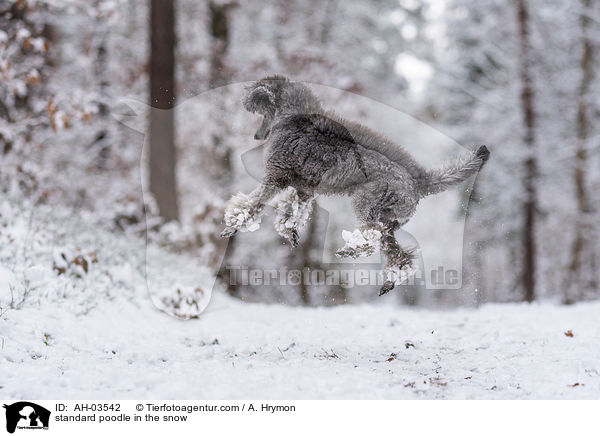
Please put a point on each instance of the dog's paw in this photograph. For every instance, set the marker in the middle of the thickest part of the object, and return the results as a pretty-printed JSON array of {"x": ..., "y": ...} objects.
[
  {"x": 291, "y": 215},
  {"x": 483, "y": 153},
  {"x": 387, "y": 287},
  {"x": 294, "y": 238},
  {"x": 241, "y": 214},
  {"x": 228, "y": 232},
  {"x": 396, "y": 275},
  {"x": 359, "y": 243},
  {"x": 291, "y": 235}
]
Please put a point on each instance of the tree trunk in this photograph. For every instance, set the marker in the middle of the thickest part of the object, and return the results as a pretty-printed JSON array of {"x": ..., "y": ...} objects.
[
  {"x": 328, "y": 20},
  {"x": 219, "y": 30},
  {"x": 101, "y": 144},
  {"x": 217, "y": 154},
  {"x": 162, "y": 102},
  {"x": 576, "y": 284},
  {"x": 530, "y": 178}
]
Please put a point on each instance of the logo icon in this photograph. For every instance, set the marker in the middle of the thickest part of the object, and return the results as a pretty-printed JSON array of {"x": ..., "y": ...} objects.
[{"x": 26, "y": 415}]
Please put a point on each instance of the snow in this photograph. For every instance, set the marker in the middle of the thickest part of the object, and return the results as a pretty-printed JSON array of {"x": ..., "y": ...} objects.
[
  {"x": 97, "y": 334},
  {"x": 360, "y": 243},
  {"x": 127, "y": 349},
  {"x": 237, "y": 214},
  {"x": 361, "y": 237},
  {"x": 291, "y": 213},
  {"x": 7, "y": 283}
]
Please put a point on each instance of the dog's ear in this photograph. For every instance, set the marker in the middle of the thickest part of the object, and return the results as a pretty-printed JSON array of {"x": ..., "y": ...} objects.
[{"x": 259, "y": 98}]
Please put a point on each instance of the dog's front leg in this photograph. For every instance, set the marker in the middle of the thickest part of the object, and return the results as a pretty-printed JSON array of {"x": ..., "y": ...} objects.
[
  {"x": 292, "y": 213},
  {"x": 243, "y": 211}
]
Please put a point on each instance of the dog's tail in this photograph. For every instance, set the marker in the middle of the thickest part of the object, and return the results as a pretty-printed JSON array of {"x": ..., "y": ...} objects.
[{"x": 439, "y": 180}]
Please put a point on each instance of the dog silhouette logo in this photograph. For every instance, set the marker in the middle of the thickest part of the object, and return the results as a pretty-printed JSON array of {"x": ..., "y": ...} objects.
[{"x": 26, "y": 415}]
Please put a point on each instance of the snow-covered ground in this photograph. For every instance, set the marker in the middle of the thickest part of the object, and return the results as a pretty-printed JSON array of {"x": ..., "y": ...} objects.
[{"x": 97, "y": 334}]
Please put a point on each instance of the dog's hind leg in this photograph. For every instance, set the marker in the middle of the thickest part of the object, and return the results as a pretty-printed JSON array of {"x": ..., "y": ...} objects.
[
  {"x": 292, "y": 213},
  {"x": 399, "y": 260},
  {"x": 365, "y": 240},
  {"x": 243, "y": 211},
  {"x": 377, "y": 206}
]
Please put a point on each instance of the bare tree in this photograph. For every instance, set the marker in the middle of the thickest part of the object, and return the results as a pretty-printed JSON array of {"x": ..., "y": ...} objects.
[
  {"x": 531, "y": 173},
  {"x": 218, "y": 152},
  {"x": 162, "y": 101},
  {"x": 576, "y": 285},
  {"x": 219, "y": 31}
]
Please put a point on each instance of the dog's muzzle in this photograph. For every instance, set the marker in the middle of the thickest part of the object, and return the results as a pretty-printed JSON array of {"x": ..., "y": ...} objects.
[{"x": 264, "y": 129}]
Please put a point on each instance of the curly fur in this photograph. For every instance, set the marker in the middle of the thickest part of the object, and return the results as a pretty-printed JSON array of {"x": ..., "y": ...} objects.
[{"x": 316, "y": 152}]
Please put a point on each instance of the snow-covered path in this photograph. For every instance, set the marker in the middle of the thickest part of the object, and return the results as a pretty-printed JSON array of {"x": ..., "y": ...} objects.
[{"x": 237, "y": 350}]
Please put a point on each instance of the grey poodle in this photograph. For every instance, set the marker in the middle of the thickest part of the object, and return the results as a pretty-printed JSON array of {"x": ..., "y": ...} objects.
[{"x": 312, "y": 151}]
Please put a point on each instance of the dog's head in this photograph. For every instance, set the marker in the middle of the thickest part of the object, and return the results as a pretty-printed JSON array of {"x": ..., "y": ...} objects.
[
  {"x": 275, "y": 96},
  {"x": 264, "y": 98}
]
